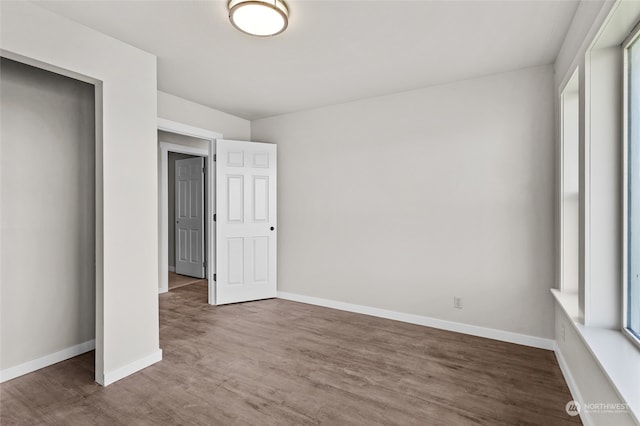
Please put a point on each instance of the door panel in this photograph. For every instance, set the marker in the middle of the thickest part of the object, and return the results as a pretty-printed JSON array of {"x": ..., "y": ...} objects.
[
  {"x": 235, "y": 203},
  {"x": 261, "y": 199},
  {"x": 189, "y": 187},
  {"x": 260, "y": 259},
  {"x": 246, "y": 233}
]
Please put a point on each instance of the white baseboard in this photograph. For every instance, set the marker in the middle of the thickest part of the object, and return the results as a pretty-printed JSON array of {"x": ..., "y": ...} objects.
[
  {"x": 172, "y": 268},
  {"x": 47, "y": 360},
  {"x": 490, "y": 333},
  {"x": 573, "y": 387},
  {"x": 110, "y": 377}
]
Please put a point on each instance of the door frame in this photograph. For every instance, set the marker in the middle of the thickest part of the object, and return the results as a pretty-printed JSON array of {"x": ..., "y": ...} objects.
[
  {"x": 210, "y": 177},
  {"x": 187, "y": 264}
]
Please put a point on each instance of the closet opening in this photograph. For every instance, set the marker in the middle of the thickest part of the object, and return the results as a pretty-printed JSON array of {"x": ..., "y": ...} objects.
[{"x": 48, "y": 207}]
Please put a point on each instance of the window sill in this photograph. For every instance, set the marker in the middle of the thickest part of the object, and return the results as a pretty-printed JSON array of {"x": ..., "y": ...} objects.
[{"x": 617, "y": 356}]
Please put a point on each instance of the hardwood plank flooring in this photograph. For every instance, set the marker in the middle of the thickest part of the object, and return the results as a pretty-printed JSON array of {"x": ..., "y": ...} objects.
[
  {"x": 176, "y": 280},
  {"x": 277, "y": 362}
]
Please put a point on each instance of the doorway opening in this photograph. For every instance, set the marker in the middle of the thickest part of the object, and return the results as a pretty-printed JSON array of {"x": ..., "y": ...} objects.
[
  {"x": 186, "y": 211},
  {"x": 187, "y": 252}
]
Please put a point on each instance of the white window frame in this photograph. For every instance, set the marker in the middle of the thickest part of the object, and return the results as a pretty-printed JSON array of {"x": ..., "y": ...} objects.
[{"x": 633, "y": 36}]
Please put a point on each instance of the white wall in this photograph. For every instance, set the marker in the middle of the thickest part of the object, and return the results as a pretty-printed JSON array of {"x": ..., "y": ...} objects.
[
  {"x": 47, "y": 171},
  {"x": 173, "y": 108},
  {"x": 127, "y": 337},
  {"x": 403, "y": 202}
]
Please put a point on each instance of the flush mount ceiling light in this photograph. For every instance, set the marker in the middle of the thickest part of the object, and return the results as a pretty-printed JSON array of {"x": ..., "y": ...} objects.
[{"x": 261, "y": 18}]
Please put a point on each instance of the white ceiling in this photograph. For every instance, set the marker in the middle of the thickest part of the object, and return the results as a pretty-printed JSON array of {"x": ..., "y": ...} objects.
[{"x": 332, "y": 52}]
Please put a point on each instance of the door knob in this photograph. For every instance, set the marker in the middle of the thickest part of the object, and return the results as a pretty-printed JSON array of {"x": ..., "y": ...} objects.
[{"x": 272, "y": 228}]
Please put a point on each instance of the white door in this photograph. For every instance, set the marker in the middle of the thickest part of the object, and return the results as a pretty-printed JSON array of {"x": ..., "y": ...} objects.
[
  {"x": 189, "y": 193},
  {"x": 246, "y": 221}
]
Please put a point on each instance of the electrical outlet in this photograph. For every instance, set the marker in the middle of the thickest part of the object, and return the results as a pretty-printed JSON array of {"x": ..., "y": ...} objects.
[
  {"x": 457, "y": 302},
  {"x": 562, "y": 334}
]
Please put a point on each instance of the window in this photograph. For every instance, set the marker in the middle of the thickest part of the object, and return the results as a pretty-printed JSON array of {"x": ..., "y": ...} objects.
[
  {"x": 632, "y": 291},
  {"x": 570, "y": 185}
]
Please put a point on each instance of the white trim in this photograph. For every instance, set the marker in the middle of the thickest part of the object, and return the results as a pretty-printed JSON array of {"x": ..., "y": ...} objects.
[
  {"x": 183, "y": 129},
  {"x": 587, "y": 43},
  {"x": 634, "y": 37},
  {"x": 624, "y": 273},
  {"x": 133, "y": 367},
  {"x": 573, "y": 387},
  {"x": 570, "y": 88},
  {"x": 561, "y": 209},
  {"x": 616, "y": 355},
  {"x": 211, "y": 227},
  {"x": 183, "y": 149},
  {"x": 474, "y": 330},
  {"x": 46, "y": 361}
]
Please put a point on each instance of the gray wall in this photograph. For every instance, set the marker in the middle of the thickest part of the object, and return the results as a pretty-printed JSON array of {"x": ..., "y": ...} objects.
[
  {"x": 47, "y": 170},
  {"x": 404, "y": 201}
]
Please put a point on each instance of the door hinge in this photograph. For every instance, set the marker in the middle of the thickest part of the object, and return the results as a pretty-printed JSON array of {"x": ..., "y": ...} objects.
[
  {"x": 215, "y": 157},
  {"x": 204, "y": 264},
  {"x": 214, "y": 217},
  {"x": 204, "y": 170},
  {"x": 214, "y": 277}
]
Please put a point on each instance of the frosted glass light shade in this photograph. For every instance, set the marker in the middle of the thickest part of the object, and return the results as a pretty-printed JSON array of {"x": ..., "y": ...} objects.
[{"x": 261, "y": 18}]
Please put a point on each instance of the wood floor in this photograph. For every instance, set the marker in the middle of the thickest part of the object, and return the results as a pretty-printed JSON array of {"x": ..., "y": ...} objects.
[
  {"x": 278, "y": 362},
  {"x": 176, "y": 280}
]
